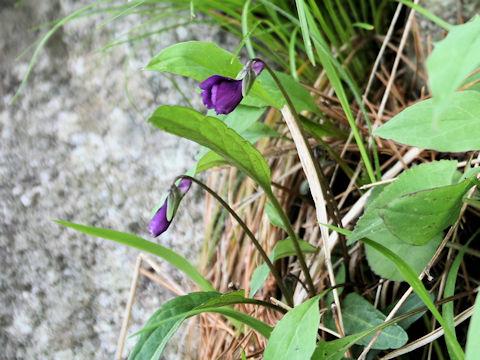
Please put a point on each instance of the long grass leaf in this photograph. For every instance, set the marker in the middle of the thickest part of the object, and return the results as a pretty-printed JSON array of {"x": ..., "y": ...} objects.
[
  {"x": 447, "y": 308},
  {"x": 139, "y": 243},
  {"x": 292, "y": 55},
  {"x": 302, "y": 16},
  {"x": 245, "y": 32},
  {"x": 411, "y": 277}
]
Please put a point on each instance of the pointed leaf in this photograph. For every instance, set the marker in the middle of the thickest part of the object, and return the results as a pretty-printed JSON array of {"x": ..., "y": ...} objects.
[
  {"x": 138, "y": 243},
  {"x": 282, "y": 249},
  {"x": 413, "y": 302},
  {"x": 411, "y": 277},
  {"x": 473, "y": 336},
  {"x": 151, "y": 343},
  {"x": 452, "y": 60},
  {"x": 214, "y": 134},
  {"x": 359, "y": 315},
  {"x": 273, "y": 216},
  {"x": 421, "y": 177},
  {"x": 417, "y": 217},
  {"x": 294, "y": 337},
  {"x": 200, "y": 60},
  {"x": 418, "y": 256},
  {"x": 456, "y": 130}
]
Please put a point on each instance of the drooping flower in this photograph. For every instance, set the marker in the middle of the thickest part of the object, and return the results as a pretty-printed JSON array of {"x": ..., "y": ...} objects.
[
  {"x": 168, "y": 207},
  {"x": 223, "y": 94}
]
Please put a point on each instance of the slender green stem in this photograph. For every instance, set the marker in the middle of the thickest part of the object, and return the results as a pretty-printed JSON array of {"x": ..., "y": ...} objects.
[
  {"x": 275, "y": 202},
  {"x": 252, "y": 237},
  {"x": 286, "y": 221}
]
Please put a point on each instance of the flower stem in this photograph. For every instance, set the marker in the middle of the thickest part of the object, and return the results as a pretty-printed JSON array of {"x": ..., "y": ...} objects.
[
  {"x": 265, "y": 257},
  {"x": 288, "y": 227}
]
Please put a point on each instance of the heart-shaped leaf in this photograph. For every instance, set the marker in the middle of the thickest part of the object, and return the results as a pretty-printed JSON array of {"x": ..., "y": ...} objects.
[{"x": 456, "y": 130}]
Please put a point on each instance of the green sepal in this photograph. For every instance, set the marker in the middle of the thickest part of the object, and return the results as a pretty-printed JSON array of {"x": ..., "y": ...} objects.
[{"x": 173, "y": 201}]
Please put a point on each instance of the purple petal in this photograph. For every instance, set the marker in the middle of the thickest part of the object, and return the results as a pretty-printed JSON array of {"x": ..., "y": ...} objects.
[
  {"x": 221, "y": 93},
  {"x": 228, "y": 96},
  {"x": 213, "y": 94},
  {"x": 159, "y": 223},
  {"x": 184, "y": 185},
  {"x": 210, "y": 81},
  {"x": 207, "y": 99},
  {"x": 258, "y": 67}
]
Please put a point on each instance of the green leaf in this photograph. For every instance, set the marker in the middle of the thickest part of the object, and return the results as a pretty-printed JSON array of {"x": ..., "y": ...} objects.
[
  {"x": 231, "y": 298},
  {"x": 294, "y": 337},
  {"x": 197, "y": 60},
  {"x": 190, "y": 59},
  {"x": 359, "y": 315},
  {"x": 417, "y": 178},
  {"x": 217, "y": 304},
  {"x": 209, "y": 160},
  {"x": 243, "y": 355},
  {"x": 257, "y": 325},
  {"x": 456, "y": 130},
  {"x": 452, "y": 60},
  {"x": 282, "y": 249},
  {"x": 252, "y": 135},
  {"x": 475, "y": 77},
  {"x": 300, "y": 96},
  {"x": 413, "y": 302},
  {"x": 363, "y": 25},
  {"x": 214, "y": 134},
  {"x": 285, "y": 248},
  {"x": 417, "y": 217},
  {"x": 163, "y": 324},
  {"x": 372, "y": 226},
  {"x": 144, "y": 245},
  {"x": 417, "y": 257},
  {"x": 320, "y": 130},
  {"x": 304, "y": 26},
  {"x": 447, "y": 308},
  {"x": 151, "y": 343},
  {"x": 200, "y": 60},
  {"x": 411, "y": 277},
  {"x": 241, "y": 119},
  {"x": 257, "y": 131},
  {"x": 473, "y": 336},
  {"x": 273, "y": 216}
]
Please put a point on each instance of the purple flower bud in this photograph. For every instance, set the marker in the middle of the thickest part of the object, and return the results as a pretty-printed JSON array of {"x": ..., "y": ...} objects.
[
  {"x": 221, "y": 93},
  {"x": 258, "y": 67},
  {"x": 184, "y": 185},
  {"x": 160, "y": 222}
]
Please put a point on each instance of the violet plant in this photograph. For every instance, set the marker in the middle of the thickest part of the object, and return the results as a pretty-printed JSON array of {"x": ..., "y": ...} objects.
[{"x": 401, "y": 231}]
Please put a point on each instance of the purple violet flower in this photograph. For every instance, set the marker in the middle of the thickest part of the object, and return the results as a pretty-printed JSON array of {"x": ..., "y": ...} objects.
[
  {"x": 223, "y": 94},
  {"x": 166, "y": 212}
]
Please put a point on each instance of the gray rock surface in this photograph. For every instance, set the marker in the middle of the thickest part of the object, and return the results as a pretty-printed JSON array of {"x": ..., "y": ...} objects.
[{"x": 73, "y": 147}]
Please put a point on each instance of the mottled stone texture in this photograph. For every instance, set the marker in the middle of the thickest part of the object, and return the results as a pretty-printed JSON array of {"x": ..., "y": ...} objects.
[
  {"x": 73, "y": 147},
  {"x": 447, "y": 10}
]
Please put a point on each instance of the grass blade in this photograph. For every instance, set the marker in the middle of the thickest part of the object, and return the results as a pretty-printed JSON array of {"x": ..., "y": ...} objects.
[
  {"x": 139, "y": 243},
  {"x": 411, "y": 277},
  {"x": 305, "y": 33}
]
